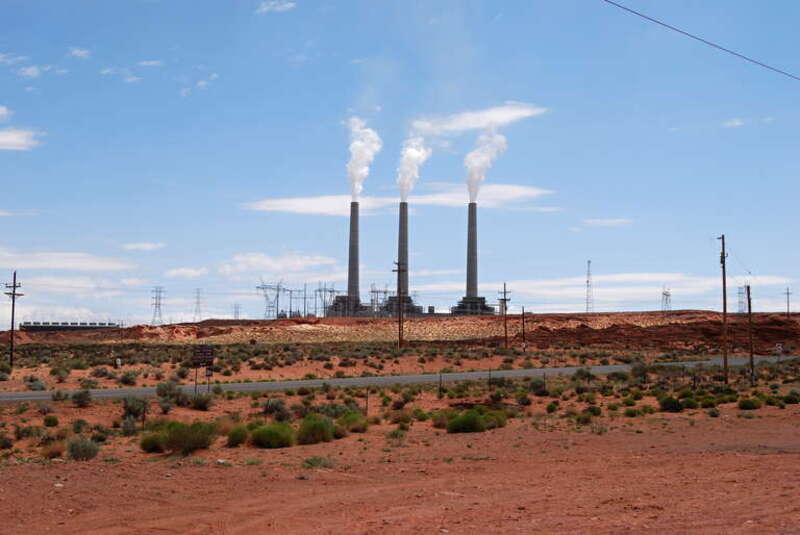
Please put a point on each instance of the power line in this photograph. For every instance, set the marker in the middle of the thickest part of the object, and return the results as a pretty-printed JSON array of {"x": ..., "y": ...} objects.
[{"x": 704, "y": 41}]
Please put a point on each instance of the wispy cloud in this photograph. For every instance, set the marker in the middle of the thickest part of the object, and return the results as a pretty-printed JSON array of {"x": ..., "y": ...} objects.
[
  {"x": 18, "y": 139},
  {"x": 733, "y": 123},
  {"x": 607, "y": 222},
  {"x": 151, "y": 63},
  {"x": 61, "y": 261},
  {"x": 275, "y": 6},
  {"x": 203, "y": 83},
  {"x": 186, "y": 273},
  {"x": 31, "y": 71},
  {"x": 81, "y": 53},
  {"x": 488, "y": 118},
  {"x": 453, "y": 195},
  {"x": 274, "y": 265},
  {"x": 144, "y": 246},
  {"x": 5, "y": 114},
  {"x": 12, "y": 59}
]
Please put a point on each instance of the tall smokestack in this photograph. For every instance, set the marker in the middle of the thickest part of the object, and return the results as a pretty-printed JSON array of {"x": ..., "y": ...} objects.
[
  {"x": 353, "y": 290},
  {"x": 472, "y": 250},
  {"x": 402, "y": 251}
]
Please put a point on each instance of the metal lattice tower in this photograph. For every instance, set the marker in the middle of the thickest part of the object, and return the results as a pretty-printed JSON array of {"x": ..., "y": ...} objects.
[
  {"x": 237, "y": 310},
  {"x": 666, "y": 300},
  {"x": 788, "y": 295},
  {"x": 271, "y": 305},
  {"x": 198, "y": 305},
  {"x": 158, "y": 297},
  {"x": 742, "y": 304},
  {"x": 589, "y": 291}
]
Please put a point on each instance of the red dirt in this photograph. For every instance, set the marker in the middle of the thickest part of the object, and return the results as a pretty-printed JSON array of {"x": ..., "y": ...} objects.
[{"x": 663, "y": 474}]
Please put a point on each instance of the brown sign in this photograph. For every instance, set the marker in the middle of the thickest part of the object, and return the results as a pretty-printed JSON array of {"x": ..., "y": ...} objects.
[{"x": 203, "y": 357}]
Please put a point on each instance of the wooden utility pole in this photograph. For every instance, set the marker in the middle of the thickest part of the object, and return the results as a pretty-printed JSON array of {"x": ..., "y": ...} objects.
[
  {"x": 523, "y": 327},
  {"x": 13, "y": 294},
  {"x": 400, "y": 270},
  {"x": 504, "y": 300},
  {"x": 750, "y": 334},
  {"x": 722, "y": 258}
]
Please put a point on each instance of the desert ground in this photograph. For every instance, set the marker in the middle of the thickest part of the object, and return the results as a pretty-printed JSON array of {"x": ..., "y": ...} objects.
[{"x": 653, "y": 450}]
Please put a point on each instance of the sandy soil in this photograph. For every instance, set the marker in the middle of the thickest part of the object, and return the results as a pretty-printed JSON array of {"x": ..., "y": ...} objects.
[{"x": 682, "y": 473}]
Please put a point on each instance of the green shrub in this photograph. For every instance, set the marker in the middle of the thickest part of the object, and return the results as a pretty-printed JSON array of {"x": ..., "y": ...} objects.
[
  {"x": 79, "y": 425},
  {"x": 185, "y": 439},
  {"x": 275, "y": 435},
  {"x": 583, "y": 418},
  {"x": 82, "y": 449},
  {"x": 670, "y": 404},
  {"x": 552, "y": 407},
  {"x": 129, "y": 427},
  {"x": 51, "y": 420},
  {"x": 469, "y": 421},
  {"x": 202, "y": 402},
  {"x": 713, "y": 412},
  {"x": 594, "y": 410},
  {"x": 82, "y": 399},
  {"x": 58, "y": 395},
  {"x": 689, "y": 403},
  {"x": 318, "y": 462},
  {"x": 5, "y": 442},
  {"x": 134, "y": 407},
  {"x": 237, "y": 436},
  {"x": 315, "y": 428},
  {"x": 631, "y": 412},
  {"x": 152, "y": 443},
  {"x": 354, "y": 422},
  {"x": 749, "y": 404}
]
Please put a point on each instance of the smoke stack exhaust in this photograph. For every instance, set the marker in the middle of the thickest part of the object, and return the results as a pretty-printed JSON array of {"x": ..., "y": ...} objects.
[
  {"x": 472, "y": 250},
  {"x": 353, "y": 287},
  {"x": 402, "y": 250}
]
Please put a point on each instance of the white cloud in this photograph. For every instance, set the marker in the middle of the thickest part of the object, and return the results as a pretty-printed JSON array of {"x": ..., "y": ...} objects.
[
  {"x": 11, "y": 59},
  {"x": 31, "y": 71},
  {"x": 132, "y": 79},
  {"x": 5, "y": 113},
  {"x": 454, "y": 195},
  {"x": 274, "y": 265},
  {"x": 18, "y": 139},
  {"x": 489, "y": 118},
  {"x": 144, "y": 246},
  {"x": 151, "y": 63},
  {"x": 733, "y": 123},
  {"x": 607, "y": 222},
  {"x": 275, "y": 6},
  {"x": 108, "y": 70},
  {"x": 185, "y": 92},
  {"x": 81, "y": 53},
  {"x": 186, "y": 273},
  {"x": 62, "y": 261}
]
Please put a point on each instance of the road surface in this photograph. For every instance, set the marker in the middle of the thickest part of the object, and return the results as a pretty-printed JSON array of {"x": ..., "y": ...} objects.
[{"x": 383, "y": 380}]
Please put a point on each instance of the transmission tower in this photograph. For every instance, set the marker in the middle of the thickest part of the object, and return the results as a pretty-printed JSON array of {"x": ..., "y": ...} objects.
[
  {"x": 158, "y": 297},
  {"x": 788, "y": 294},
  {"x": 666, "y": 300},
  {"x": 198, "y": 305},
  {"x": 237, "y": 309},
  {"x": 271, "y": 305},
  {"x": 589, "y": 293},
  {"x": 742, "y": 304}
]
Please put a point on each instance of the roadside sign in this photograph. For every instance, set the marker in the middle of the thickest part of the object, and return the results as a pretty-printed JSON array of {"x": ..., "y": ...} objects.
[{"x": 203, "y": 356}]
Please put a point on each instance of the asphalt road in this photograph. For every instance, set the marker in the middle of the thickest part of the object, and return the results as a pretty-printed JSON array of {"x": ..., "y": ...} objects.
[{"x": 385, "y": 380}]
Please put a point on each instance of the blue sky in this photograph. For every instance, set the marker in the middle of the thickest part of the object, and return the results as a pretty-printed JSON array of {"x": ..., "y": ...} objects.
[{"x": 155, "y": 142}]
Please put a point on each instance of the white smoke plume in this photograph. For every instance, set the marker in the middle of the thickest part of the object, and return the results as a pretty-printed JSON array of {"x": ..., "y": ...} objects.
[
  {"x": 477, "y": 162},
  {"x": 414, "y": 154},
  {"x": 365, "y": 143}
]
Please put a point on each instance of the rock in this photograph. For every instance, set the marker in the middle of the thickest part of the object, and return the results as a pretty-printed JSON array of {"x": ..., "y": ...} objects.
[{"x": 59, "y": 485}]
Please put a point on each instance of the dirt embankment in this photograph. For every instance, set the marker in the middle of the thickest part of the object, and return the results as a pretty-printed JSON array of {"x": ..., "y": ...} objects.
[{"x": 679, "y": 330}]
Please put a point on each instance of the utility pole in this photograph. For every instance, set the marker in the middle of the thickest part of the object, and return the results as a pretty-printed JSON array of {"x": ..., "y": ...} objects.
[
  {"x": 237, "y": 309},
  {"x": 722, "y": 258},
  {"x": 504, "y": 306},
  {"x": 13, "y": 294},
  {"x": 305, "y": 299},
  {"x": 750, "y": 334},
  {"x": 788, "y": 304},
  {"x": 589, "y": 292},
  {"x": 399, "y": 270},
  {"x": 523, "y": 328}
]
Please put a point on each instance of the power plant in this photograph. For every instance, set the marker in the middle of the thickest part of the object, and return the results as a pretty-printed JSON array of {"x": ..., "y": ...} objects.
[
  {"x": 350, "y": 303},
  {"x": 403, "y": 298}
]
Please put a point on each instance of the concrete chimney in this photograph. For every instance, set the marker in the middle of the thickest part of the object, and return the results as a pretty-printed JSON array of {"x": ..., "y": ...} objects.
[
  {"x": 353, "y": 288},
  {"x": 472, "y": 251},
  {"x": 402, "y": 250}
]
